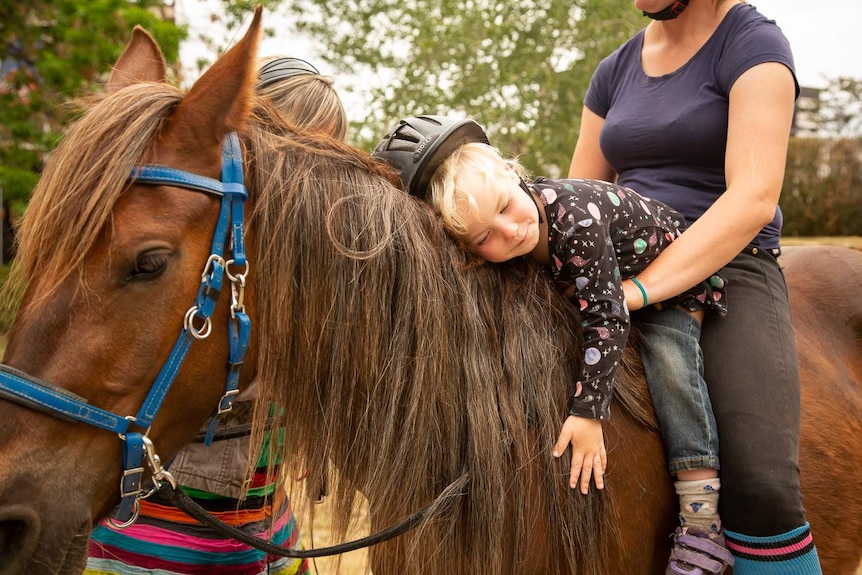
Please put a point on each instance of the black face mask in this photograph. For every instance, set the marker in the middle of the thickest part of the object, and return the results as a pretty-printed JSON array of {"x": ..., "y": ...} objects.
[{"x": 670, "y": 12}]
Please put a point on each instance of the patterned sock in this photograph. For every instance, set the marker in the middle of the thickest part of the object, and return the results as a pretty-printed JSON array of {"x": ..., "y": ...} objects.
[
  {"x": 791, "y": 553},
  {"x": 698, "y": 503}
]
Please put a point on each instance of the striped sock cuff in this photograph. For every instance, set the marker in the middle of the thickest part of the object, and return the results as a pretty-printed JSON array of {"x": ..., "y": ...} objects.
[{"x": 791, "y": 553}]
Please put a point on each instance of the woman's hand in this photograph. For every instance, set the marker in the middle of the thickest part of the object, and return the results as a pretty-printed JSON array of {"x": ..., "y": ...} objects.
[{"x": 589, "y": 457}]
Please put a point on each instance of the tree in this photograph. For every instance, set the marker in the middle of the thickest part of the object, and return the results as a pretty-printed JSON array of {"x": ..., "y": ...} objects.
[
  {"x": 520, "y": 68},
  {"x": 51, "y": 52},
  {"x": 840, "y": 112}
]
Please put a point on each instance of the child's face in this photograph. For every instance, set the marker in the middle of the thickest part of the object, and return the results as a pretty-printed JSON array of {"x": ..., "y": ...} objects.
[{"x": 505, "y": 223}]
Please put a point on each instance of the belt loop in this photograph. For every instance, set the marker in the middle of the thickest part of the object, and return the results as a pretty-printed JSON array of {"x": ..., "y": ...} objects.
[{"x": 756, "y": 250}]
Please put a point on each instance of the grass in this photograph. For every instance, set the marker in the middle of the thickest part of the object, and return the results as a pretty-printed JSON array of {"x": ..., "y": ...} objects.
[
  {"x": 352, "y": 563},
  {"x": 854, "y": 242}
]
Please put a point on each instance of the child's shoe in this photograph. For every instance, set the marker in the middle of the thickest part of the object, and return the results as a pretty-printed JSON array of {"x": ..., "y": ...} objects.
[{"x": 697, "y": 551}]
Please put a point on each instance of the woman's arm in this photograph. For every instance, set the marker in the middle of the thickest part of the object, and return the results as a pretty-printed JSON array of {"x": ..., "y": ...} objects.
[
  {"x": 588, "y": 160},
  {"x": 760, "y": 115}
]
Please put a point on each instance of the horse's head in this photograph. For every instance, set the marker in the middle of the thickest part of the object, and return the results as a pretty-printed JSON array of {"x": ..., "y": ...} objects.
[{"x": 108, "y": 267}]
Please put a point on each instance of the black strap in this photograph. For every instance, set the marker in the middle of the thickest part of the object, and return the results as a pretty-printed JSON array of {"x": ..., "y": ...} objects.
[
  {"x": 182, "y": 501},
  {"x": 669, "y": 13}
]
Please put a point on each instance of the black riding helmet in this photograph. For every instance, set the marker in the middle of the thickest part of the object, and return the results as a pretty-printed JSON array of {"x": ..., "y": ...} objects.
[
  {"x": 281, "y": 68},
  {"x": 418, "y": 145}
]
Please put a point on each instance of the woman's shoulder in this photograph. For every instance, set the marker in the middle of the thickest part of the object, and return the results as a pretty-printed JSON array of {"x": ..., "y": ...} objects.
[
  {"x": 749, "y": 39},
  {"x": 744, "y": 21},
  {"x": 621, "y": 57}
]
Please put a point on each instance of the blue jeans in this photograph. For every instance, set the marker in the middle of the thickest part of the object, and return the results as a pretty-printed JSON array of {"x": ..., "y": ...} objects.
[{"x": 673, "y": 363}]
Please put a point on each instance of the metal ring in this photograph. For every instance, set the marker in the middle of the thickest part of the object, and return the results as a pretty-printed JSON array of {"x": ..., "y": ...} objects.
[
  {"x": 117, "y": 526},
  {"x": 238, "y": 278},
  {"x": 202, "y": 332},
  {"x": 214, "y": 258}
]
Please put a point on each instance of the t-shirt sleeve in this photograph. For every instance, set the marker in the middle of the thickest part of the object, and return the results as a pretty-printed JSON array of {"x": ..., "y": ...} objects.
[
  {"x": 603, "y": 85},
  {"x": 757, "y": 42},
  {"x": 598, "y": 96}
]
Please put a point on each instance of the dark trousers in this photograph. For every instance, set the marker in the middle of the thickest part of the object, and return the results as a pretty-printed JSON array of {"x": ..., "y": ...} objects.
[{"x": 753, "y": 377}]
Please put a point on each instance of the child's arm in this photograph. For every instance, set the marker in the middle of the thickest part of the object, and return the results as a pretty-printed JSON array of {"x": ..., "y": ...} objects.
[{"x": 589, "y": 457}]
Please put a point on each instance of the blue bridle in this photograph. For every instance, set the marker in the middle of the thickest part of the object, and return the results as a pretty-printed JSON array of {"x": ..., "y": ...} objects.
[{"x": 197, "y": 324}]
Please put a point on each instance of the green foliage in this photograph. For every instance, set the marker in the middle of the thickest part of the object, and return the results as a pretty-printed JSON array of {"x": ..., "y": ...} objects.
[
  {"x": 16, "y": 183},
  {"x": 52, "y": 52},
  {"x": 822, "y": 194},
  {"x": 6, "y": 311},
  {"x": 520, "y": 68}
]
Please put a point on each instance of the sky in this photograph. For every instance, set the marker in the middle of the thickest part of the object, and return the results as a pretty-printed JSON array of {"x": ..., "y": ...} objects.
[{"x": 825, "y": 36}]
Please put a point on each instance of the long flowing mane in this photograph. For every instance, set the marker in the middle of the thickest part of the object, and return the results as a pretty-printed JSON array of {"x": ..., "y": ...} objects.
[
  {"x": 73, "y": 201},
  {"x": 385, "y": 351}
]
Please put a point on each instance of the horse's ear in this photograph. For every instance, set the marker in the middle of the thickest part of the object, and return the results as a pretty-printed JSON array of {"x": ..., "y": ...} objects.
[
  {"x": 221, "y": 100},
  {"x": 141, "y": 61}
]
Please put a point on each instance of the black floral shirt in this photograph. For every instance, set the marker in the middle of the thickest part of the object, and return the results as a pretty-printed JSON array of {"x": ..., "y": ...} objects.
[{"x": 598, "y": 235}]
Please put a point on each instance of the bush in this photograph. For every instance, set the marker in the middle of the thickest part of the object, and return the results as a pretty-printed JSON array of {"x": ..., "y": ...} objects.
[
  {"x": 17, "y": 184},
  {"x": 822, "y": 193}
]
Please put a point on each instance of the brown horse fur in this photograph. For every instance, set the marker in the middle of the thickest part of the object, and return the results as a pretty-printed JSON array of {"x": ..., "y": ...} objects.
[{"x": 379, "y": 348}]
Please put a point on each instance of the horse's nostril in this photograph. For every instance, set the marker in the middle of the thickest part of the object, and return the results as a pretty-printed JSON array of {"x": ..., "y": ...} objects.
[{"x": 19, "y": 530}]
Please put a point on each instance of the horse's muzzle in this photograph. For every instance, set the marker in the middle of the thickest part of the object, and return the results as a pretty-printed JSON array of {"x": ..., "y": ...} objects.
[{"x": 19, "y": 532}]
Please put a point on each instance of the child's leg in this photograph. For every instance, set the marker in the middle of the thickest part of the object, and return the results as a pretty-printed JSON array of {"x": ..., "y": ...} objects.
[
  {"x": 698, "y": 498},
  {"x": 698, "y": 488},
  {"x": 674, "y": 371},
  {"x": 673, "y": 363}
]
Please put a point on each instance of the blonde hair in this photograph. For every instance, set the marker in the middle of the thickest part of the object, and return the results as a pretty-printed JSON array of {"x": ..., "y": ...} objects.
[
  {"x": 447, "y": 187},
  {"x": 308, "y": 100}
]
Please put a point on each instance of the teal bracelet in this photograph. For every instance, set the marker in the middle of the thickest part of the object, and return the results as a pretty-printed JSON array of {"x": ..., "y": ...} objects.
[{"x": 643, "y": 291}]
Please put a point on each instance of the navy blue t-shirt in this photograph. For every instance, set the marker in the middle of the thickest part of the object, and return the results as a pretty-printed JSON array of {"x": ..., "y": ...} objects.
[{"x": 666, "y": 136}]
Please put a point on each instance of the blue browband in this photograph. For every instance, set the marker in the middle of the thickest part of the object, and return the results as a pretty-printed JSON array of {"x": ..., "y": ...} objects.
[{"x": 47, "y": 398}]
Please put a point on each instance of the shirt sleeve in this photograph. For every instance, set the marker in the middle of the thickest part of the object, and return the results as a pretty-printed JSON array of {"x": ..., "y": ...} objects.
[
  {"x": 756, "y": 42},
  {"x": 603, "y": 85},
  {"x": 598, "y": 96},
  {"x": 592, "y": 262}
]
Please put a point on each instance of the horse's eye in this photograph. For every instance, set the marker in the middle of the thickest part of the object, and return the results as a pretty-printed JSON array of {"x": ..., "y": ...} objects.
[{"x": 149, "y": 264}]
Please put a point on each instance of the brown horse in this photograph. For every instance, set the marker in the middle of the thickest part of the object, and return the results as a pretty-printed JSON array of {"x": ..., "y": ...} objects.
[{"x": 376, "y": 345}]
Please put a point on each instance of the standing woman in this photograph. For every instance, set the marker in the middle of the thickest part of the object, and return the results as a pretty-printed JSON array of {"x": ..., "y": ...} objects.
[
  {"x": 165, "y": 540},
  {"x": 695, "y": 111}
]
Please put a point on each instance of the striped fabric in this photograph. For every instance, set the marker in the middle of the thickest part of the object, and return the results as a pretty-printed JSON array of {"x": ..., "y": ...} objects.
[
  {"x": 791, "y": 553},
  {"x": 166, "y": 541}
]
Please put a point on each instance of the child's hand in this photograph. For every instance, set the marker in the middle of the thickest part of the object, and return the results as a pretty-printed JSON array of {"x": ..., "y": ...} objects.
[{"x": 588, "y": 451}]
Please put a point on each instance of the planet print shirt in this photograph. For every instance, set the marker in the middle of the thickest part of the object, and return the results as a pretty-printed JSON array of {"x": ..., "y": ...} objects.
[{"x": 598, "y": 235}]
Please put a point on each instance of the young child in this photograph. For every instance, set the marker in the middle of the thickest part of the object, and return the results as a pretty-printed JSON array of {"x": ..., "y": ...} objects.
[{"x": 590, "y": 235}]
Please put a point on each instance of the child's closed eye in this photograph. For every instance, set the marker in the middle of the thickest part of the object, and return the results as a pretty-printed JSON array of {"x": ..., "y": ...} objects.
[{"x": 508, "y": 202}]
